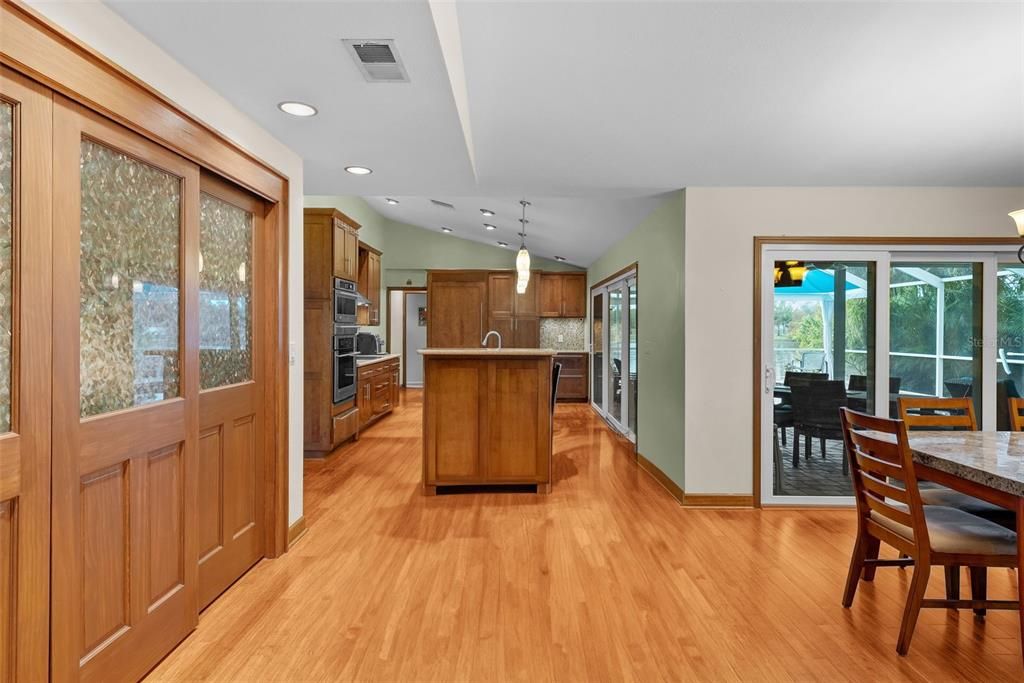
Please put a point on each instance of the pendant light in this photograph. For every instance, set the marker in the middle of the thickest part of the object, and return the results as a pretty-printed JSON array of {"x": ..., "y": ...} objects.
[
  {"x": 523, "y": 257},
  {"x": 1018, "y": 218}
]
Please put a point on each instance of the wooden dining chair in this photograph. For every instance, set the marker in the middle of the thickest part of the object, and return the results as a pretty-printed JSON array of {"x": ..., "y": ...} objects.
[
  {"x": 1017, "y": 414},
  {"x": 955, "y": 414},
  {"x": 890, "y": 510}
]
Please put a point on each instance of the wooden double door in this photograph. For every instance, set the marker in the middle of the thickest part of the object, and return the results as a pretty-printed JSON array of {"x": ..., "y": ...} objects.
[{"x": 132, "y": 467}]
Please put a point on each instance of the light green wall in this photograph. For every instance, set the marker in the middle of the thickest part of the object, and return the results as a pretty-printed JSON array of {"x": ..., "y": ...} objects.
[
  {"x": 656, "y": 246},
  {"x": 408, "y": 252}
]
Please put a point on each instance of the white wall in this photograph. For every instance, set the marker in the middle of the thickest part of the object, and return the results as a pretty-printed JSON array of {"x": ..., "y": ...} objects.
[
  {"x": 720, "y": 227},
  {"x": 103, "y": 30}
]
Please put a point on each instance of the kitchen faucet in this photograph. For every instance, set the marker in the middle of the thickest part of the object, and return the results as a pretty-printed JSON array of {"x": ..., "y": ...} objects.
[{"x": 488, "y": 336}]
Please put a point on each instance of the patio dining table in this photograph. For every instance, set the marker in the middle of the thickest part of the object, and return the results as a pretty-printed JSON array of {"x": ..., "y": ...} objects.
[{"x": 986, "y": 465}]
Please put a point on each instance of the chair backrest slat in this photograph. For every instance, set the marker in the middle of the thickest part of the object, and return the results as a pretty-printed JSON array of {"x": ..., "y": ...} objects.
[
  {"x": 923, "y": 412},
  {"x": 896, "y": 514},
  {"x": 884, "y": 488},
  {"x": 1017, "y": 414},
  {"x": 879, "y": 451}
]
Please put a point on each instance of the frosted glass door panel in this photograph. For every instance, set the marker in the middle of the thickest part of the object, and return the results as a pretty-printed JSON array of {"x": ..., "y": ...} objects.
[{"x": 130, "y": 303}]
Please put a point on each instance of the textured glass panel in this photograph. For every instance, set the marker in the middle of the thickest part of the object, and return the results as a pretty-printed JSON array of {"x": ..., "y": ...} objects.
[
  {"x": 6, "y": 258},
  {"x": 130, "y": 301},
  {"x": 225, "y": 294}
]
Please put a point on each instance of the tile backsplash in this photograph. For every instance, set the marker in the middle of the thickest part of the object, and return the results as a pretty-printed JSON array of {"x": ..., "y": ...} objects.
[{"x": 572, "y": 331}]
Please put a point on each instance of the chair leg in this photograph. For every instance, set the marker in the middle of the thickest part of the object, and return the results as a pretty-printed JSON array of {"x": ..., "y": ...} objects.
[
  {"x": 918, "y": 585},
  {"x": 871, "y": 546},
  {"x": 807, "y": 447},
  {"x": 783, "y": 436},
  {"x": 952, "y": 581},
  {"x": 796, "y": 448},
  {"x": 846, "y": 461},
  {"x": 979, "y": 587},
  {"x": 856, "y": 569},
  {"x": 822, "y": 442}
]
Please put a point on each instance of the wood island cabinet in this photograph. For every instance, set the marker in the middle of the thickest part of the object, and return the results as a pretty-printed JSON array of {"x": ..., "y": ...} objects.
[{"x": 486, "y": 417}]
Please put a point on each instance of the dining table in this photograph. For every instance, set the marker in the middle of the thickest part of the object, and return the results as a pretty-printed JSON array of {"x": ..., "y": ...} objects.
[
  {"x": 986, "y": 465},
  {"x": 857, "y": 399}
]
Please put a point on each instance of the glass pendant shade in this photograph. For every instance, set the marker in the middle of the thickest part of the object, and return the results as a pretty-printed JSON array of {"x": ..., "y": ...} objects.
[
  {"x": 522, "y": 269},
  {"x": 1018, "y": 218}
]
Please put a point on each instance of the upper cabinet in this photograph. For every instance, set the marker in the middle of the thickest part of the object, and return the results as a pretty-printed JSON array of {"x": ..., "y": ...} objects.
[
  {"x": 346, "y": 248},
  {"x": 369, "y": 284},
  {"x": 456, "y": 303},
  {"x": 331, "y": 249},
  {"x": 563, "y": 295}
]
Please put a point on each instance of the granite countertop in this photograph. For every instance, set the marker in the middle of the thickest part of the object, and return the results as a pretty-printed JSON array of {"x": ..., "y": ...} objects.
[
  {"x": 487, "y": 353},
  {"x": 360, "y": 363},
  {"x": 993, "y": 459}
]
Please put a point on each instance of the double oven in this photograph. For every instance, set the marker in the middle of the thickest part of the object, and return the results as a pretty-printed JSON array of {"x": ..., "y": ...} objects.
[{"x": 344, "y": 340}]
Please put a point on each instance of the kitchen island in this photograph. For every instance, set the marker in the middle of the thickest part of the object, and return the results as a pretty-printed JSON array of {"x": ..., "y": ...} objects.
[{"x": 487, "y": 417}]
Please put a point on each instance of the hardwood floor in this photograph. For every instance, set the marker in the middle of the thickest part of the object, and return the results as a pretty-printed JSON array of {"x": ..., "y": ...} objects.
[{"x": 607, "y": 578}]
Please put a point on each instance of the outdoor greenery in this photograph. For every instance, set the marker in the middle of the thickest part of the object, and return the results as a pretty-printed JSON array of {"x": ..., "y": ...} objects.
[{"x": 913, "y": 317}]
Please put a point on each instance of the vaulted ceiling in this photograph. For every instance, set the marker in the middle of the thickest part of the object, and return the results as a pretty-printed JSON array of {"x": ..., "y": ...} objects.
[{"x": 618, "y": 100}]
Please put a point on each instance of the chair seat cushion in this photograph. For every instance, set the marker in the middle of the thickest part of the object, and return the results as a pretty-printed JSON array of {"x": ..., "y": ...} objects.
[
  {"x": 957, "y": 532},
  {"x": 946, "y": 497}
]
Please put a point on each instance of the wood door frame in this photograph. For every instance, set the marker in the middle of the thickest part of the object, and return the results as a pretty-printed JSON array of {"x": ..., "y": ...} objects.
[
  {"x": 43, "y": 52},
  {"x": 30, "y": 386},
  {"x": 404, "y": 289},
  {"x": 760, "y": 242}
]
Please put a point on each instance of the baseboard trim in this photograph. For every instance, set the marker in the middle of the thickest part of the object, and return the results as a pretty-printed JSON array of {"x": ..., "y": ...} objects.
[
  {"x": 296, "y": 531},
  {"x": 717, "y": 500},
  {"x": 650, "y": 468}
]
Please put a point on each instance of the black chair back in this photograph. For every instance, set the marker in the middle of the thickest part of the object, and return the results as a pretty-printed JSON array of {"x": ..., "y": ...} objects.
[
  {"x": 816, "y": 406},
  {"x": 860, "y": 383},
  {"x": 556, "y": 370},
  {"x": 792, "y": 376},
  {"x": 1005, "y": 390}
]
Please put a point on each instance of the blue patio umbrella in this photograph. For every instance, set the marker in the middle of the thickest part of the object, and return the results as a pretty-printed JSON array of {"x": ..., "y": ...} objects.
[{"x": 816, "y": 282}]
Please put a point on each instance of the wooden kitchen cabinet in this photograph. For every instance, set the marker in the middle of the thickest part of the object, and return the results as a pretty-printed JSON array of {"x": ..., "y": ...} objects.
[
  {"x": 573, "y": 382},
  {"x": 513, "y": 315},
  {"x": 369, "y": 285},
  {"x": 346, "y": 248},
  {"x": 377, "y": 388},
  {"x": 563, "y": 295},
  {"x": 456, "y": 308}
]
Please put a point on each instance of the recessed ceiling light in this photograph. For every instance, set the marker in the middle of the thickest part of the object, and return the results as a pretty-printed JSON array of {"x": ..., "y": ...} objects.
[
  {"x": 560, "y": 258},
  {"x": 359, "y": 170},
  {"x": 391, "y": 201},
  {"x": 487, "y": 212},
  {"x": 297, "y": 108},
  {"x": 502, "y": 244},
  {"x": 488, "y": 226},
  {"x": 446, "y": 229}
]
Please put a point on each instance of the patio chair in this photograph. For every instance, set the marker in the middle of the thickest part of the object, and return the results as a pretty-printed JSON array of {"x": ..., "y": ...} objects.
[
  {"x": 783, "y": 413},
  {"x": 812, "y": 361},
  {"x": 816, "y": 415}
]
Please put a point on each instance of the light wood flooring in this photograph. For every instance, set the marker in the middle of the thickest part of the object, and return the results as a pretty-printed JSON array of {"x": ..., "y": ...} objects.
[{"x": 606, "y": 579}]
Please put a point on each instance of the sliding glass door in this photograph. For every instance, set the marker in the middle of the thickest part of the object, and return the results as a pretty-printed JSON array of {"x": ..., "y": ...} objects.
[
  {"x": 614, "y": 358},
  {"x": 836, "y": 321}
]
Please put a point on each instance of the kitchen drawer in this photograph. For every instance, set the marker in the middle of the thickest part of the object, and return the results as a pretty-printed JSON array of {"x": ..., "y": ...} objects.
[
  {"x": 344, "y": 426},
  {"x": 572, "y": 387},
  {"x": 572, "y": 364}
]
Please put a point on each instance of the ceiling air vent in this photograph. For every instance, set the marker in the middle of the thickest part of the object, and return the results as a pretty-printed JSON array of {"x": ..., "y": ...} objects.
[
  {"x": 377, "y": 60},
  {"x": 443, "y": 205}
]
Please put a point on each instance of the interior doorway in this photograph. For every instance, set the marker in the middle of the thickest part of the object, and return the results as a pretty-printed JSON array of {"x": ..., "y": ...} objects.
[{"x": 407, "y": 330}]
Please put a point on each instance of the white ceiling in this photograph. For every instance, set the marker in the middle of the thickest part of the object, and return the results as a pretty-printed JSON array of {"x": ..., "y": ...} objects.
[{"x": 601, "y": 101}]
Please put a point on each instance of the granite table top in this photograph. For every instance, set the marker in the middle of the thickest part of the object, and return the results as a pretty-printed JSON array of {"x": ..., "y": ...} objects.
[{"x": 993, "y": 459}]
